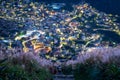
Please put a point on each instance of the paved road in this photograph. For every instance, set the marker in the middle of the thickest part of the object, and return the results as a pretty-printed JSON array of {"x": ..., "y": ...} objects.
[{"x": 63, "y": 77}]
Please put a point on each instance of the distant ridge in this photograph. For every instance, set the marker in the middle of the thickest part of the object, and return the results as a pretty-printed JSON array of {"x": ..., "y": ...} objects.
[{"x": 108, "y": 6}]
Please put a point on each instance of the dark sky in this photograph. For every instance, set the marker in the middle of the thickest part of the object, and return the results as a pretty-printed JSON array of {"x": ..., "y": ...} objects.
[{"x": 108, "y": 6}]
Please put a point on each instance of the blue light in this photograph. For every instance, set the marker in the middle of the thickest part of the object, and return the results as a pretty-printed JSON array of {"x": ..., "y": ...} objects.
[{"x": 57, "y": 5}]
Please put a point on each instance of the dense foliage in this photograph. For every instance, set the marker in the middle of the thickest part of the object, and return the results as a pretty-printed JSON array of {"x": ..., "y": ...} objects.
[{"x": 26, "y": 69}]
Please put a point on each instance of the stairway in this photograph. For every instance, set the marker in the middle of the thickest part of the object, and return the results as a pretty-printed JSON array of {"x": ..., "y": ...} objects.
[{"x": 63, "y": 77}]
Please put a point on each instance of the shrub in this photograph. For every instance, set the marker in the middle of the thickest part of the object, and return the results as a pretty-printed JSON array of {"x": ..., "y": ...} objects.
[
  {"x": 97, "y": 64},
  {"x": 104, "y": 71},
  {"x": 67, "y": 70},
  {"x": 110, "y": 72},
  {"x": 22, "y": 67},
  {"x": 87, "y": 72}
]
